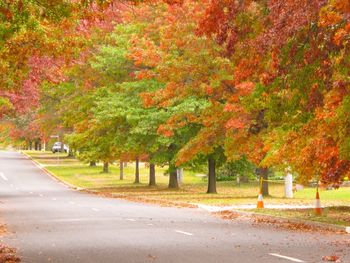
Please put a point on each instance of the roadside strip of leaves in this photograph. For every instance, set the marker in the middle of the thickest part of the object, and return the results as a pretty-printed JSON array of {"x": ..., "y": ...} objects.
[
  {"x": 280, "y": 223},
  {"x": 7, "y": 254}
]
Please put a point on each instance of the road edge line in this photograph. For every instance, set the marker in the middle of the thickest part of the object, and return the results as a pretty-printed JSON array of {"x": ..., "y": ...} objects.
[
  {"x": 52, "y": 175},
  {"x": 286, "y": 257}
]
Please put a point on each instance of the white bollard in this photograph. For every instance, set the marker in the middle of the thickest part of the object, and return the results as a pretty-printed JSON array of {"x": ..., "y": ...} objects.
[
  {"x": 288, "y": 185},
  {"x": 347, "y": 229}
]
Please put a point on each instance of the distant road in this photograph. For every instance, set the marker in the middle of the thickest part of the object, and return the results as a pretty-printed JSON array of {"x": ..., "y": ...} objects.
[{"x": 51, "y": 223}]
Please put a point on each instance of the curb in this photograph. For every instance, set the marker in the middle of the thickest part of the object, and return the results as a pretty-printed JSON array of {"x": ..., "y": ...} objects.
[{"x": 52, "y": 175}]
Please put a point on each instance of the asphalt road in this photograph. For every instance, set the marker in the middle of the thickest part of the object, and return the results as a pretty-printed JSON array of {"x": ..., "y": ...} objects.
[{"x": 49, "y": 222}]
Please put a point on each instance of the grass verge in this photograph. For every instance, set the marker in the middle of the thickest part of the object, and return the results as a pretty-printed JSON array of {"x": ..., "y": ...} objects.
[{"x": 337, "y": 215}]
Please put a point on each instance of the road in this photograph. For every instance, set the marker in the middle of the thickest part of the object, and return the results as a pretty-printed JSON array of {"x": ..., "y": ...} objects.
[{"x": 49, "y": 222}]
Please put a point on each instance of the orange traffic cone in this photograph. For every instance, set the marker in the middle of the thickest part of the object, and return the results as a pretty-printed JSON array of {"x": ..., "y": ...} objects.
[
  {"x": 260, "y": 203},
  {"x": 318, "y": 209}
]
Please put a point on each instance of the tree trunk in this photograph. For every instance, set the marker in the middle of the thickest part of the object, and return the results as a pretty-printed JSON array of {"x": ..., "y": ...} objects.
[
  {"x": 211, "y": 176},
  {"x": 105, "y": 167},
  {"x": 173, "y": 183},
  {"x": 152, "y": 174},
  {"x": 92, "y": 164},
  {"x": 264, "y": 174},
  {"x": 121, "y": 171},
  {"x": 71, "y": 153},
  {"x": 137, "y": 172}
]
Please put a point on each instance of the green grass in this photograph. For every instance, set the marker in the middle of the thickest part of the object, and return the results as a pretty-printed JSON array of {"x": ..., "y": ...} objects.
[
  {"x": 193, "y": 189},
  {"x": 338, "y": 215},
  {"x": 329, "y": 195}
]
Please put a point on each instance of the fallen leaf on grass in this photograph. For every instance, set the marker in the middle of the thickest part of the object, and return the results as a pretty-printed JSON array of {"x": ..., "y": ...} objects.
[{"x": 295, "y": 226}]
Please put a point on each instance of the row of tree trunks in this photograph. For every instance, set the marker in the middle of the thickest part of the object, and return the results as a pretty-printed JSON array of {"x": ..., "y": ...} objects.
[
  {"x": 38, "y": 145},
  {"x": 173, "y": 177},
  {"x": 152, "y": 172},
  {"x": 262, "y": 172},
  {"x": 34, "y": 145}
]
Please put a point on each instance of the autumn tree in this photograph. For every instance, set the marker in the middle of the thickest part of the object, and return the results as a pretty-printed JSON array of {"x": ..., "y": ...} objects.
[{"x": 295, "y": 67}]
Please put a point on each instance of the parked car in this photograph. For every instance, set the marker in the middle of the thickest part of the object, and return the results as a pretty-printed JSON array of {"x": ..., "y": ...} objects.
[{"x": 57, "y": 147}]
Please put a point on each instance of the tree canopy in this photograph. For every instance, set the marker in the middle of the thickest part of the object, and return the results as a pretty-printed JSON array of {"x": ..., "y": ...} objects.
[{"x": 175, "y": 82}]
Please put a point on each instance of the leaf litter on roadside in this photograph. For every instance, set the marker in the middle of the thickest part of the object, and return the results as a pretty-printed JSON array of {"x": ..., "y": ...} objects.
[
  {"x": 332, "y": 258},
  {"x": 279, "y": 223},
  {"x": 8, "y": 255}
]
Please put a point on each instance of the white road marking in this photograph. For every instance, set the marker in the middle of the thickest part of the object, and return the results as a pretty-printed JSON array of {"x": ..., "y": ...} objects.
[
  {"x": 95, "y": 209},
  {"x": 285, "y": 257},
  {"x": 150, "y": 224},
  {"x": 54, "y": 199},
  {"x": 41, "y": 195},
  {"x": 72, "y": 203},
  {"x": 183, "y": 232},
  {"x": 3, "y": 177},
  {"x": 31, "y": 193},
  {"x": 130, "y": 219}
]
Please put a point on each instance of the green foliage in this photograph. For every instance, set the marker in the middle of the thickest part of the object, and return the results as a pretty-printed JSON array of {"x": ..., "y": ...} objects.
[
  {"x": 174, "y": 84},
  {"x": 242, "y": 168}
]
